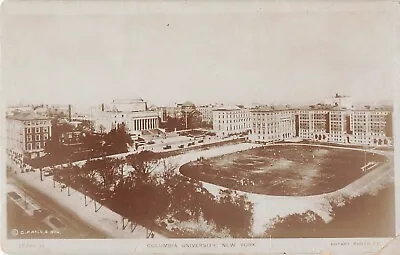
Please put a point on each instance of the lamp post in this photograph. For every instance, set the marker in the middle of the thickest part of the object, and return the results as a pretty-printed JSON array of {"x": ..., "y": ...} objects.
[
  {"x": 186, "y": 127},
  {"x": 26, "y": 203},
  {"x": 41, "y": 173}
]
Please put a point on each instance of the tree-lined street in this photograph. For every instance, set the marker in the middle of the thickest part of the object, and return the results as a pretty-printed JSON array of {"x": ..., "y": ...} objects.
[{"x": 74, "y": 226}]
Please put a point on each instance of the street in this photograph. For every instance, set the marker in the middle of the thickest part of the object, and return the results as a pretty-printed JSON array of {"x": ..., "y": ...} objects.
[{"x": 22, "y": 225}]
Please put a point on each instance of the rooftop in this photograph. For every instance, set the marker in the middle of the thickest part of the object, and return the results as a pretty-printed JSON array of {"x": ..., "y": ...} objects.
[
  {"x": 228, "y": 108},
  {"x": 267, "y": 108},
  {"x": 27, "y": 116},
  {"x": 128, "y": 101},
  {"x": 326, "y": 107}
]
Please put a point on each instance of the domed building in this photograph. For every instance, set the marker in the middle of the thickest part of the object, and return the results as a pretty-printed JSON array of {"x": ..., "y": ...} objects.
[
  {"x": 132, "y": 113},
  {"x": 129, "y": 105},
  {"x": 186, "y": 106}
]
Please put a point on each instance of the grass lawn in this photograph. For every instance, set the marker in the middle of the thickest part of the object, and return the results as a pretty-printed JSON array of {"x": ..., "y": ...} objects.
[{"x": 283, "y": 170}]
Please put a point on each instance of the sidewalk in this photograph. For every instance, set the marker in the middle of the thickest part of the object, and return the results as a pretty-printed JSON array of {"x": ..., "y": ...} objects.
[{"x": 104, "y": 219}]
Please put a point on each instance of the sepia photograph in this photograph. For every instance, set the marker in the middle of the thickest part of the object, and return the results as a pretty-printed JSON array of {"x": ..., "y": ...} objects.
[{"x": 199, "y": 127}]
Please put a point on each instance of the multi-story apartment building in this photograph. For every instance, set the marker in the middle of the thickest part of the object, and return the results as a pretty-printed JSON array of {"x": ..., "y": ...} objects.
[
  {"x": 368, "y": 126},
  {"x": 371, "y": 126},
  {"x": 27, "y": 134},
  {"x": 336, "y": 122},
  {"x": 312, "y": 124},
  {"x": 231, "y": 120},
  {"x": 206, "y": 112},
  {"x": 269, "y": 124}
]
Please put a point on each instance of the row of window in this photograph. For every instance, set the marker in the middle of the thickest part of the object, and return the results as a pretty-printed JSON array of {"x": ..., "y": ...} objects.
[
  {"x": 222, "y": 121},
  {"x": 263, "y": 132},
  {"x": 284, "y": 123},
  {"x": 369, "y": 133},
  {"x": 227, "y": 128},
  {"x": 37, "y": 123},
  {"x": 271, "y": 138},
  {"x": 232, "y": 121},
  {"x": 37, "y": 137},
  {"x": 35, "y": 146},
  {"x": 36, "y": 130}
]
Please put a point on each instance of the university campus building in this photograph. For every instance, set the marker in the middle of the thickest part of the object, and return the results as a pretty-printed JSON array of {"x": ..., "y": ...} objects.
[
  {"x": 27, "y": 134},
  {"x": 270, "y": 124},
  {"x": 228, "y": 120},
  {"x": 206, "y": 112},
  {"x": 337, "y": 121},
  {"x": 132, "y": 113},
  {"x": 368, "y": 126}
]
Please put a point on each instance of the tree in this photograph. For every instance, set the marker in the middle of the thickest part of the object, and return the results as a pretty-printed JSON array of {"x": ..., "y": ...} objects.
[
  {"x": 54, "y": 145},
  {"x": 118, "y": 139},
  {"x": 144, "y": 163},
  {"x": 92, "y": 143},
  {"x": 175, "y": 123},
  {"x": 110, "y": 173},
  {"x": 234, "y": 212},
  {"x": 194, "y": 120},
  {"x": 206, "y": 125},
  {"x": 300, "y": 225}
]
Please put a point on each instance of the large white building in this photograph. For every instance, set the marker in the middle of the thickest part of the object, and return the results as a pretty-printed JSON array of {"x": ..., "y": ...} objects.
[
  {"x": 324, "y": 123},
  {"x": 269, "y": 124},
  {"x": 360, "y": 126},
  {"x": 229, "y": 120},
  {"x": 132, "y": 113},
  {"x": 27, "y": 134}
]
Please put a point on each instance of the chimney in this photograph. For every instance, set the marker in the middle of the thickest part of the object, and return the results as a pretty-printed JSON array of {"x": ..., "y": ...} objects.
[
  {"x": 69, "y": 112},
  {"x": 102, "y": 107}
]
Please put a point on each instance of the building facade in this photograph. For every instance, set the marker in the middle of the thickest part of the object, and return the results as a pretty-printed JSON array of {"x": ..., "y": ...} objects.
[
  {"x": 271, "y": 125},
  {"x": 27, "y": 134},
  {"x": 371, "y": 127},
  {"x": 335, "y": 121},
  {"x": 131, "y": 113},
  {"x": 231, "y": 120},
  {"x": 206, "y": 112}
]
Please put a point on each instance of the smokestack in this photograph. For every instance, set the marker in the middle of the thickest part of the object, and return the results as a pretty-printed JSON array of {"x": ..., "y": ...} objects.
[
  {"x": 69, "y": 112},
  {"x": 102, "y": 107}
]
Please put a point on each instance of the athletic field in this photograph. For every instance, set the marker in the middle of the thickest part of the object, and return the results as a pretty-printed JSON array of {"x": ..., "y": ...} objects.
[{"x": 286, "y": 170}]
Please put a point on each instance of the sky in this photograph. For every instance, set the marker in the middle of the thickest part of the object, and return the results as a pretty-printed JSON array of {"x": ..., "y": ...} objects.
[{"x": 261, "y": 56}]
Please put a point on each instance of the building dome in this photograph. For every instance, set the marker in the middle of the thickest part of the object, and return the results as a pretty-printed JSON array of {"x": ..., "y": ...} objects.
[{"x": 188, "y": 104}]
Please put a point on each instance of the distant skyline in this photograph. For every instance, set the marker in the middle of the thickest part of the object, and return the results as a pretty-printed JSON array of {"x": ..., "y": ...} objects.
[{"x": 204, "y": 57}]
